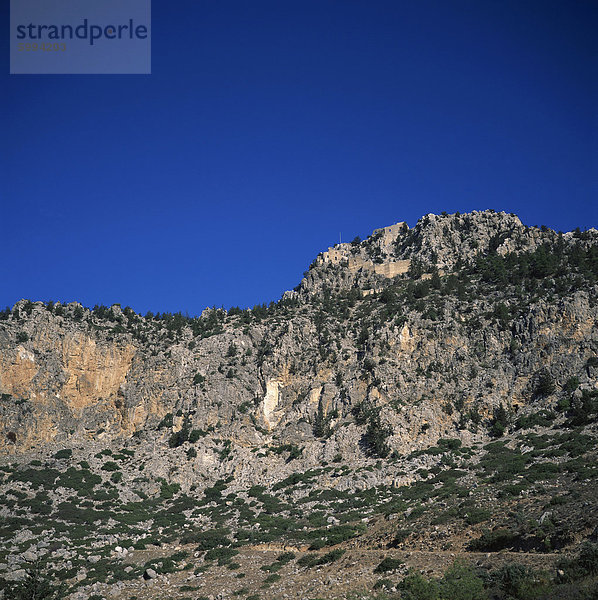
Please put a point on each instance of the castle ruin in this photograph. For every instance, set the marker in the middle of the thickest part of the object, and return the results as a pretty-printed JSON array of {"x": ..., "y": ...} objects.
[{"x": 385, "y": 238}]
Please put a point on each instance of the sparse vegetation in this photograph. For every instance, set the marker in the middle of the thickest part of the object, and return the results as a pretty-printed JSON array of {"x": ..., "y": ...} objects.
[{"x": 440, "y": 410}]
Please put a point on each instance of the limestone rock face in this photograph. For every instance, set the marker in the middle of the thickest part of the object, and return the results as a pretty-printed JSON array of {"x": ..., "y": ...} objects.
[
  {"x": 406, "y": 323},
  {"x": 446, "y": 239}
]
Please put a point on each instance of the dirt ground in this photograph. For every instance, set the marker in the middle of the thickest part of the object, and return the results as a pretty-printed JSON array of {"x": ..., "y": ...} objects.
[{"x": 352, "y": 573}]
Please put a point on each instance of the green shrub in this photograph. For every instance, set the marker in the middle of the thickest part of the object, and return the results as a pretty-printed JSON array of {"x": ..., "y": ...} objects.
[
  {"x": 36, "y": 586},
  {"x": 376, "y": 436},
  {"x": 178, "y": 438},
  {"x": 388, "y": 564},
  {"x": 317, "y": 544},
  {"x": 493, "y": 541},
  {"x": 499, "y": 421},
  {"x": 110, "y": 465},
  {"x": 363, "y": 411},
  {"x": 449, "y": 444},
  {"x": 41, "y": 504},
  {"x": 502, "y": 462},
  {"x": 285, "y": 557},
  {"x": 168, "y": 490},
  {"x": 583, "y": 408},
  {"x": 400, "y": 536},
  {"x": 563, "y": 404},
  {"x": 461, "y": 583},
  {"x": 576, "y": 444},
  {"x": 331, "y": 556},
  {"x": 37, "y": 477},
  {"x": 313, "y": 560},
  {"x": 416, "y": 587},
  {"x": 214, "y": 493},
  {"x": 542, "y": 418},
  {"x": 583, "y": 565},
  {"x": 516, "y": 581},
  {"x": 166, "y": 422},
  {"x": 571, "y": 384},
  {"x": 82, "y": 481},
  {"x": 512, "y": 489},
  {"x": 207, "y": 540},
  {"x": 63, "y": 454},
  {"x": 542, "y": 471},
  {"x": 196, "y": 434},
  {"x": 382, "y": 584},
  {"x": 544, "y": 384},
  {"x": 321, "y": 426},
  {"x": 331, "y": 536},
  {"x": 477, "y": 515}
]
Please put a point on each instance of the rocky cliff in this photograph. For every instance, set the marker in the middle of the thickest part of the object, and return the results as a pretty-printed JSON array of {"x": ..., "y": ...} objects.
[
  {"x": 447, "y": 336},
  {"x": 390, "y": 367}
]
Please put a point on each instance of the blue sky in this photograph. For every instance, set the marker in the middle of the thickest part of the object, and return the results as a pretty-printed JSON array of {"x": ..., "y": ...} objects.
[{"x": 268, "y": 128}]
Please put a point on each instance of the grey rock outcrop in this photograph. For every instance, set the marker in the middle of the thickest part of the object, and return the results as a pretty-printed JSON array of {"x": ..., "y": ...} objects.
[{"x": 390, "y": 325}]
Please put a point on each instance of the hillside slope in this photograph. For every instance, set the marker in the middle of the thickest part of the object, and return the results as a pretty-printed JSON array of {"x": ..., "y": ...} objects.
[{"x": 426, "y": 390}]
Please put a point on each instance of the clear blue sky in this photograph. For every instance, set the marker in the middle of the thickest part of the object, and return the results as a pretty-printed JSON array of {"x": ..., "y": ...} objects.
[{"x": 267, "y": 128}]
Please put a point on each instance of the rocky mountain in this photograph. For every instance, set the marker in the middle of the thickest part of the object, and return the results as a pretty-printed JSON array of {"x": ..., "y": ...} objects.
[{"x": 422, "y": 395}]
